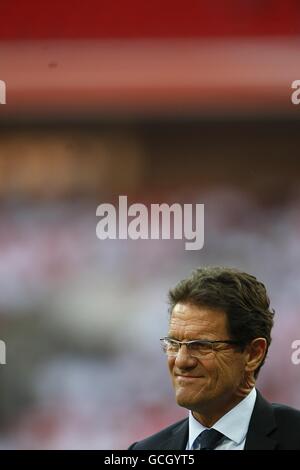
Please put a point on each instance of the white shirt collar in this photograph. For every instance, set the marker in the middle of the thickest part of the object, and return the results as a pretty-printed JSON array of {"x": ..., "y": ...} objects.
[{"x": 234, "y": 424}]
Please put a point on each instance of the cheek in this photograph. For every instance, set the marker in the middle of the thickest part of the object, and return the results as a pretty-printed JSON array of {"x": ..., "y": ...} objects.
[
  {"x": 218, "y": 368},
  {"x": 230, "y": 368},
  {"x": 171, "y": 363}
]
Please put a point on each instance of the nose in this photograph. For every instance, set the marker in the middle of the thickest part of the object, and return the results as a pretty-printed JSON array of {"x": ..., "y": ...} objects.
[{"x": 184, "y": 359}]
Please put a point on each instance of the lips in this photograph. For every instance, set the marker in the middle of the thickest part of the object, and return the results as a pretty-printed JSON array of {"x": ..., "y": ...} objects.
[{"x": 187, "y": 377}]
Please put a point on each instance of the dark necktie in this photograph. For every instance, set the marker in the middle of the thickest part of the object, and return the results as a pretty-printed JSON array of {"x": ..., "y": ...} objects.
[{"x": 207, "y": 440}]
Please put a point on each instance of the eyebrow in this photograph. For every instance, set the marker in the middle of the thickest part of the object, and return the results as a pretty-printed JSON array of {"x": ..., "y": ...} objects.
[{"x": 195, "y": 339}]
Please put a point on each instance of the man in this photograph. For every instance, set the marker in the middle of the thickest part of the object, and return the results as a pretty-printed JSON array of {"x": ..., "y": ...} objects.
[{"x": 218, "y": 339}]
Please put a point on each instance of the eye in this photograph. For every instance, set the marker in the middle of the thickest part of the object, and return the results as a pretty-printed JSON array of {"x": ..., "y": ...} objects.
[
  {"x": 172, "y": 345},
  {"x": 200, "y": 347}
]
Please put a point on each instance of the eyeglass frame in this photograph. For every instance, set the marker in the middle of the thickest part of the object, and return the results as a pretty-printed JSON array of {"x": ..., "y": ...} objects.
[{"x": 202, "y": 341}]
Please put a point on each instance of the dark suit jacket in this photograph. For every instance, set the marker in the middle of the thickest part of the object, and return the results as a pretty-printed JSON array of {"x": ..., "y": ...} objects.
[{"x": 272, "y": 427}]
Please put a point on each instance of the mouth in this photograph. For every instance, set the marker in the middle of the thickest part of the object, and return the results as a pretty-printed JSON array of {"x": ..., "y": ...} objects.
[{"x": 187, "y": 378}]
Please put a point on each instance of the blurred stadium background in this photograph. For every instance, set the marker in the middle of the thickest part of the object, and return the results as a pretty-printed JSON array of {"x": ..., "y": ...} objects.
[{"x": 181, "y": 103}]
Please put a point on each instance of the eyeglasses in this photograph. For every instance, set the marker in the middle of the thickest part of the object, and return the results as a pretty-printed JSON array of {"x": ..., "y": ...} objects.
[{"x": 197, "y": 348}]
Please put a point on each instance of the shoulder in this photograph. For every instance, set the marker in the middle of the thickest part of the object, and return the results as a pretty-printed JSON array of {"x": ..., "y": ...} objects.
[
  {"x": 286, "y": 415},
  {"x": 164, "y": 439},
  {"x": 288, "y": 426},
  {"x": 280, "y": 423}
]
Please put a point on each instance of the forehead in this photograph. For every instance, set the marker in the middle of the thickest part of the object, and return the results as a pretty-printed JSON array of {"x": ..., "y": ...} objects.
[{"x": 194, "y": 322}]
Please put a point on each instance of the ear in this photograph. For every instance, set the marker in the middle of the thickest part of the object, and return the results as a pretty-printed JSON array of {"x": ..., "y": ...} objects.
[{"x": 256, "y": 353}]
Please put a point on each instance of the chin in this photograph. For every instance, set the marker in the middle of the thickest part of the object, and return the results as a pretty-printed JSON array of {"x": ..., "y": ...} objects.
[
  {"x": 186, "y": 402},
  {"x": 191, "y": 402}
]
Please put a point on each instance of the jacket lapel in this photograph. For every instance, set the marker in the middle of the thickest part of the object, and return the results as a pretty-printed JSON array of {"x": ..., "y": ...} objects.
[
  {"x": 178, "y": 439},
  {"x": 262, "y": 428}
]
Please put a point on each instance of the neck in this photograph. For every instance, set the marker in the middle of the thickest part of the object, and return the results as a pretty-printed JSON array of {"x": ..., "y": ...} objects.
[{"x": 209, "y": 415}]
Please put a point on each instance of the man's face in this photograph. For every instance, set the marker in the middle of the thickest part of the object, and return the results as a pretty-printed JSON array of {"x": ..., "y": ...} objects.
[{"x": 209, "y": 385}]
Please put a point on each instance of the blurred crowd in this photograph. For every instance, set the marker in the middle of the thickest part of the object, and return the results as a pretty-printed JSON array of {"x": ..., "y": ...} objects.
[{"x": 82, "y": 317}]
